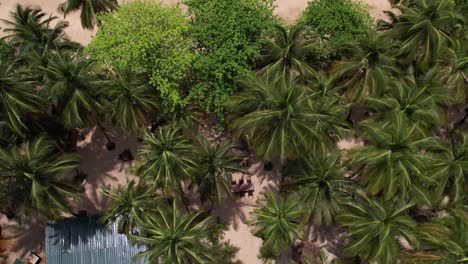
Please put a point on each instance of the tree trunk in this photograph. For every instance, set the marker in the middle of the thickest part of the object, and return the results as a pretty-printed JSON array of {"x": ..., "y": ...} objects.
[{"x": 110, "y": 145}]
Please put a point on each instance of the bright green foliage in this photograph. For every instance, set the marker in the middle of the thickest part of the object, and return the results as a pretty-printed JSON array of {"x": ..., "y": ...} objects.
[
  {"x": 89, "y": 9},
  {"x": 278, "y": 222},
  {"x": 35, "y": 179},
  {"x": 319, "y": 186},
  {"x": 175, "y": 238},
  {"x": 71, "y": 84},
  {"x": 127, "y": 204},
  {"x": 130, "y": 99},
  {"x": 167, "y": 159},
  {"x": 213, "y": 170},
  {"x": 395, "y": 164},
  {"x": 287, "y": 50},
  {"x": 374, "y": 226},
  {"x": 282, "y": 118},
  {"x": 16, "y": 99},
  {"x": 367, "y": 66},
  {"x": 413, "y": 99},
  {"x": 226, "y": 35},
  {"x": 147, "y": 38},
  {"x": 30, "y": 29},
  {"x": 338, "y": 21}
]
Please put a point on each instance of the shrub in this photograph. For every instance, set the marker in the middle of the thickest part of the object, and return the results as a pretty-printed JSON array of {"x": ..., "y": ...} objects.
[
  {"x": 148, "y": 38},
  {"x": 227, "y": 38},
  {"x": 338, "y": 21},
  {"x": 7, "y": 53}
]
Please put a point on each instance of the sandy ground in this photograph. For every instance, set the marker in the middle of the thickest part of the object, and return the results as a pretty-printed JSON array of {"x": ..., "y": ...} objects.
[{"x": 103, "y": 167}]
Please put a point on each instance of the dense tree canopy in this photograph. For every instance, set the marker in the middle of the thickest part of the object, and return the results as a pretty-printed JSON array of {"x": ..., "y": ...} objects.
[
  {"x": 147, "y": 38},
  {"x": 227, "y": 40}
]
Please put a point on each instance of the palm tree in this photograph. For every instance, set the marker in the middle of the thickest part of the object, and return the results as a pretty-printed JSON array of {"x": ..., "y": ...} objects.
[
  {"x": 168, "y": 158},
  {"x": 130, "y": 99},
  {"x": 367, "y": 65},
  {"x": 424, "y": 29},
  {"x": 171, "y": 237},
  {"x": 282, "y": 118},
  {"x": 454, "y": 67},
  {"x": 89, "y": 10},
  {"x": 394, "y": 161},
  {"x": 278, "y": 223},
  {"x": 319, "y": 186},
  {"x": 376, "y": 228},
  {"x": 36, "y": 178},
  {"x": 73, "y": 88},
  {"x": 288, "y": 50},
  {"x": 16, "y": 100},
  {"x": 446, "y": 238},
  {"x": 30, "y": 29},
  {"x": 127, "y": 204},
  {"x": 410, "y": 98},
  {"x": 213, "y": 170},
  {"x": 451, "y": 168}
]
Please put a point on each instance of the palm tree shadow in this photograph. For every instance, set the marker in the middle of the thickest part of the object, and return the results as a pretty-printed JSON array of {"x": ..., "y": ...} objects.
[
  {"x": 102, "y": 166},
  {"x": 330, "y": 237}
]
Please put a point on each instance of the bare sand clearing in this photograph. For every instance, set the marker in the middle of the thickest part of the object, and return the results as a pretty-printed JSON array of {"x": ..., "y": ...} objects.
[{"x": 103, "y": 167}]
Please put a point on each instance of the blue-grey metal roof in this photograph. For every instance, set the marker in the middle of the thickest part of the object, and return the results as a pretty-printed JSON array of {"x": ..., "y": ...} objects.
[{"x": 83, "y": 240}]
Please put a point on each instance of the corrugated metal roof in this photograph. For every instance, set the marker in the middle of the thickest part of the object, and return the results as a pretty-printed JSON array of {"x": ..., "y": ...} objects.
[{"x": 85, "y": 241}]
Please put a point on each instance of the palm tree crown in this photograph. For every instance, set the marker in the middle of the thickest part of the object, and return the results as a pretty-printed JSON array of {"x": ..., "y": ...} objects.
[
  {"x": 74, "y": 90},
  {"x": 174, "y": 238},
  {"x": 277, "y": 223},
  {"x": 37, "y": 179},
  {"x": 319, "y": 186},
  {"x": 375, "y": 226},
  {"x": 168, "y": 158},
  {"x": 89, "y": 9}
]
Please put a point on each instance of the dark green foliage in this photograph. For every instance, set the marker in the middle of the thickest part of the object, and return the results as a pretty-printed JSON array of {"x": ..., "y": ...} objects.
[
  {"x": 7, "y": 53},
  {"x": 337, "y": 21},
  {"x": 226, "y": 35},
  {"x": 35, "y": 181}
]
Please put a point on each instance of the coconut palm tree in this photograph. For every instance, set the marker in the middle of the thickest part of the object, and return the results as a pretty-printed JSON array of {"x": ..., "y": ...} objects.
[
  {"x": 375, "y": 228},
  {"x": 287, "y": 50},
  {"x": 172, "y": 237},
  {"x": 73, "y": 88},
  {"x": 446, "y": 238},
  {"x": 127, "y": 204},
  {"x": 413, "y": 99},
  {"x": 367, "y": 65},
  {"x": 282, "y": 118},
  {"x": 454, "y": 68},
  {"x": 16, "y": 100},
  {"x": 31, "y": 29},
  {"x": 213, "y": 169},
  {"x": 319, "y": 186},
  {"x": 36, "y": 178},
  {"x": 168, "y": 158},
  {"x": 278, "y": 222},
  {"x": 394, "y": 161},
  {"x": 424, "y": 29},
  {"x": 451, "y": 168},
  {"x": 89, "y": 10},
  {"x": 130, "y": 99}
]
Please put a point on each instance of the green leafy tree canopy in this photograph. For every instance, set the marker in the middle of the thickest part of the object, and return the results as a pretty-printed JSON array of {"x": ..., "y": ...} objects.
[{"x": 148, "y": 38}]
